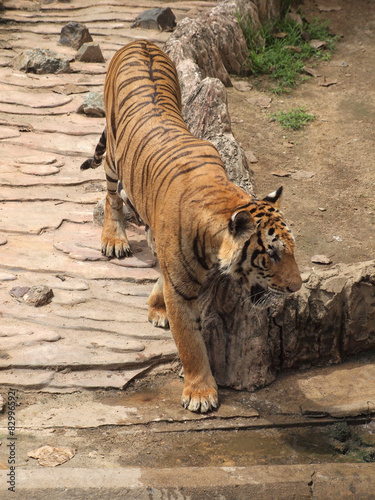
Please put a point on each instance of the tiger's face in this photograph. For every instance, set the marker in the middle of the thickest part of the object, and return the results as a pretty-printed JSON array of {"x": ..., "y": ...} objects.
[{"x": 259, "y": 250}]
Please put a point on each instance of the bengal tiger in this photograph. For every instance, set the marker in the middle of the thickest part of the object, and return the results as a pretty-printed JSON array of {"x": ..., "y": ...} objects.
[{"x": 194, "y": 216}]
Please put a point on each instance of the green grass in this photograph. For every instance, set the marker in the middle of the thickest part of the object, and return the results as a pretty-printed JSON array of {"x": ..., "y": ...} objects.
[
  {"x": 294, "y": 119},
  {"x": 270, "y": 55}
]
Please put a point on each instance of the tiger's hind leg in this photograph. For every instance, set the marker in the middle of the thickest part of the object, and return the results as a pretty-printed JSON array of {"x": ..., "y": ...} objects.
[
  {"x": 157, "y": 314},
  {"x": 114, "y": 240}
]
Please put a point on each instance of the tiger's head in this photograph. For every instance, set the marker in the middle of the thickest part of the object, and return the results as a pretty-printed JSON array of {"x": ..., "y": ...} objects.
[{"x": 259, "y": 250}]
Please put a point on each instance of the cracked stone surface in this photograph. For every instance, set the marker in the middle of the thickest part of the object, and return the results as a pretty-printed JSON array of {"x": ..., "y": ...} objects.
[{"x": 47, "y": 236}]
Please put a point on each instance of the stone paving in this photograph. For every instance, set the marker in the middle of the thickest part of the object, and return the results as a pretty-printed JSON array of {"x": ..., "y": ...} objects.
[{"x": 94, "y": 333}]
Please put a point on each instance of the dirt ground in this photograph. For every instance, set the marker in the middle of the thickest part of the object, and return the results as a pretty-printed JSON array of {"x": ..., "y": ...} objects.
[{"x": 337, "y": 149}]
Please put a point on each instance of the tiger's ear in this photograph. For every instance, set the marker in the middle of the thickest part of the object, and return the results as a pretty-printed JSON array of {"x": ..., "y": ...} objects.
[
  {"x": 240, "y": 222},
  {"x": 274, "y": 197}
]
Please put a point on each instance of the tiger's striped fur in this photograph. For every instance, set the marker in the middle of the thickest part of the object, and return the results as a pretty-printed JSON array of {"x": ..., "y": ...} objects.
[{"x": 177, "y": 185}]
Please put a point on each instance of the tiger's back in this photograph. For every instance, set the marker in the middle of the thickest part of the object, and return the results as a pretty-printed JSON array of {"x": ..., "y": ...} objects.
[{"x": 145, "y": 127}]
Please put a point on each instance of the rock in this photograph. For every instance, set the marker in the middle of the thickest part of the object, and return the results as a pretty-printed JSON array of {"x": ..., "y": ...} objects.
[
  {"x": 331, "y": 318},
  {"x": 153, "y": 19},
  {"x": 19, "y": 291},
  {"x": 74, "y": 35},
  {"x": 41, "y": 159},
  {"x": 50, "y": 456},
  {"x": 195, "y": 40},
  {"x": 317, "y": 44},
  {"x": 90, "y": 52},
  {"x": 327, "y": 82},
  {"x": 3, "y": 240},
  {"x": 41, "y": 61},
  {"x": 301, "y": 174},
  {"x": 321, "y": 259},
  {"x": 42, "y": 170},
  {"x": 37, "y": 295},
  {"x": 242, "y": 86},
  {"x": 7, "y": 277},
  {"x": 93, "y": 105},
  {"x": 189, "y": 77},
  {"x": 251, "y": 157},
  {"x": 206, "y": 114}
]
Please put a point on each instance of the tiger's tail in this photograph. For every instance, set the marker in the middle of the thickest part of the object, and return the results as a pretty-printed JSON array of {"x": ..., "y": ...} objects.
[{"x": 100, "y": 150}]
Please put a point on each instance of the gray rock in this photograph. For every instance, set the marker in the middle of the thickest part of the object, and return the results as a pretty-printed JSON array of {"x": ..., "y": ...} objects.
[
  {"x": 90, "y": 52},
  {"x": 156, "y": 19},
  {"x": 38, "y": 296},
  {"x": 7, "y": 277},
  {"x": 93, "y": 105},
  {"x": 74, "y": 35},
  {"x": 19, "y": 291},
  {"x": 206, "y": 114},
  {"x": 41, "y": 61}
]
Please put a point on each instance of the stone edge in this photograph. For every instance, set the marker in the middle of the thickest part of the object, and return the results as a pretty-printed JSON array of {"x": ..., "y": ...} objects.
[{"x": 320, "y": 481}]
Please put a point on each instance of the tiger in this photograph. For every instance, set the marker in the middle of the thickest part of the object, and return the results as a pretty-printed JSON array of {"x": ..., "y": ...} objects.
[{"x": 194, "y": 217}]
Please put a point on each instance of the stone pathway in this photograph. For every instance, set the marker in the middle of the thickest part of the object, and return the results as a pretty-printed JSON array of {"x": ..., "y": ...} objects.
[{"x": 94, "y": 333}]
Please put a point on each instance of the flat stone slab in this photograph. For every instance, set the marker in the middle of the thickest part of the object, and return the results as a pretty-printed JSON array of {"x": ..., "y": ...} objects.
[
  {"x": 260, "y": 482},
  {"x": 26, "y": 379},
  {"x": 46, "y": 100},
  {"x": 28, "y": 110},
  {"x": 83, "y": 145},
  {"x": 46, "y": 355},
  {"x": 7, "y": 277},
  {"x": 30, "y": 81},
  {"x": 344, "y": 390},
  {"x": 39, "y": 170},
  {"x": 7, "y": 133},
  {"x": 56, "y": 193},
  {"x": 93, "y": 379},
  {"x": 143, "y": 407},
  {"x": 40, "y": 159},
  {"x": 82, "y": 251},
  {"x": 35, "y": 253},
  {"x": 34, "y": 218}
]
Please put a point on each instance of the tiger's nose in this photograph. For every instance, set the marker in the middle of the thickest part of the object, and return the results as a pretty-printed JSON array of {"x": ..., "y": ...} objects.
[{"x": 294, "y": 287}]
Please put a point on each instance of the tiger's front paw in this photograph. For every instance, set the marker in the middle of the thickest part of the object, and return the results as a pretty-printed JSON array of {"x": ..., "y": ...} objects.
[
  {"x": 116, "y": 247},
  {"x": 202, "y": 399},
  {"x": 158, "y": 317}
]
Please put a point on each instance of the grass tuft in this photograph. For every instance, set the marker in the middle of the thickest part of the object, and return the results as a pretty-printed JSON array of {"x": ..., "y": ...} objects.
[{"x": 294, "y": 119}]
